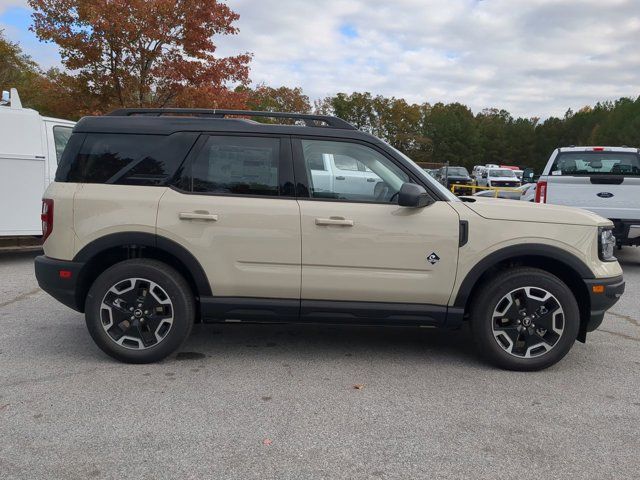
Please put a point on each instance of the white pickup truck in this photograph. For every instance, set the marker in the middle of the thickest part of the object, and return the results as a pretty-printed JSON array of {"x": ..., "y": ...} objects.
[
  {"x": 604, "y": 180},
  {"x": 498, "y": 177},
  {"x": 30, "y": 148},
  {"x": 344, "y": 177}
]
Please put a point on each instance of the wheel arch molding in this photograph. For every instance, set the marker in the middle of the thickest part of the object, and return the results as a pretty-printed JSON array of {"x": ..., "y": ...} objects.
[
  {"x": 535, "y": 255},
  {"x": 110, "y": 249}
]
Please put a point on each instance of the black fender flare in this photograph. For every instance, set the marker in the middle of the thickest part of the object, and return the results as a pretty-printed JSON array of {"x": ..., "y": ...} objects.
[
  {"x": 514, "y": 252},
  {"x": 142, "y": 239}
]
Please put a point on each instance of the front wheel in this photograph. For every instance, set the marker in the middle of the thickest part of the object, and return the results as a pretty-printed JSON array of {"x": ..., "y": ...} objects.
[
  {"x": 525, "y": 319},
  {"x": 139, "y": 311}
]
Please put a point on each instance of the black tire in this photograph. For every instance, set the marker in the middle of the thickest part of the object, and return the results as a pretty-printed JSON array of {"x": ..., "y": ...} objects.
[
  {"x": 181, "y": 309},
  {"x": 508, "y": 287}
]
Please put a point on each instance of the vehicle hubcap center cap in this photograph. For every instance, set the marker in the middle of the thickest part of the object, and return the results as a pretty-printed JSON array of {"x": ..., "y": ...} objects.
[
  {"x": 526, "y": 321},
  {"x": 137, "y": 313}
]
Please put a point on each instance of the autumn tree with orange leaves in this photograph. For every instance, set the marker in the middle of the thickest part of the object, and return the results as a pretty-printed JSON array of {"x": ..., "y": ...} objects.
[{"x": 143, "y": 53}]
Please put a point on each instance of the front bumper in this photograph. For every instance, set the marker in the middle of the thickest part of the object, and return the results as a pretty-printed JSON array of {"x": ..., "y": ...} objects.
[
  {"x": 62, "y": 287},
  {"x": 603, "y": 294}
]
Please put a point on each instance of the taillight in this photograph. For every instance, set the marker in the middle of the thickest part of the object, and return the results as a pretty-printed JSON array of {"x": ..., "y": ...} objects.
[
  {"x": 47, "y": 217},
  {"x": 541, "y": 192}
]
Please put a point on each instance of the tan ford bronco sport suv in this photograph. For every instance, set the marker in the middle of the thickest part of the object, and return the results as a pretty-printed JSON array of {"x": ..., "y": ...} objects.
[{"x": 161, "y": 218}]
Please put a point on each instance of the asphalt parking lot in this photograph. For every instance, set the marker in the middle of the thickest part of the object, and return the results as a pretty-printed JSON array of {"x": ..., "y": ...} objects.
[{"x": 251, "y": 401}]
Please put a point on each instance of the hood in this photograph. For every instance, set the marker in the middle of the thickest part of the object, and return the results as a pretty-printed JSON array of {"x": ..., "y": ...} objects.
[{"x": 517, "y": 210}]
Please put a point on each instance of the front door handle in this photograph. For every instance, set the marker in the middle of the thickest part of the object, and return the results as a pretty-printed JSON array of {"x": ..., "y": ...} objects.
[
  {"x": 371, "y": 179},
  {"x": 198, "y": 216},
  {"x": 339, "y": 221},
  {"x": 340, "y": 177}
]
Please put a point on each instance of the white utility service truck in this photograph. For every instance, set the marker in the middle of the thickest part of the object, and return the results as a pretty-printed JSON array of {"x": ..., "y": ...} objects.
[{"x": 30, "y": 148}]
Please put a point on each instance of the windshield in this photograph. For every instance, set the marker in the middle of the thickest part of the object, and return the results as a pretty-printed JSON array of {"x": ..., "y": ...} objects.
[
  {"x": 502, "y": 173},
  {"x": 596, "y": 163},
  {"x": 428, "y": 179},
  {"x": 458, "y": 171}
]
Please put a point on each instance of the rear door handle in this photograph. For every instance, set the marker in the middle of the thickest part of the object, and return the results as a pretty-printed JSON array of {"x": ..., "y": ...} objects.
[
  {"x": 340, "y": 178},
  {"x": 198, "y": 216},
  {"x": 339, "y": 221},
  {"x": 371, "y": 179}
]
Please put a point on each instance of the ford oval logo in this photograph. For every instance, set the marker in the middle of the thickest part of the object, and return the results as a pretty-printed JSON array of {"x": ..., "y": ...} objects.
[{"x": 605, "y": 194}]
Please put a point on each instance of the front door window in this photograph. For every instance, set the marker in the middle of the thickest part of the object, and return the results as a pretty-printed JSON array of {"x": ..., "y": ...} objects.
[{"x": 350, "y": 172}]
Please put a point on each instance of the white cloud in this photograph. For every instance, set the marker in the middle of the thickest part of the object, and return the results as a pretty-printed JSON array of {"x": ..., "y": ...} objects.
[{"x": 533, "y": 57}]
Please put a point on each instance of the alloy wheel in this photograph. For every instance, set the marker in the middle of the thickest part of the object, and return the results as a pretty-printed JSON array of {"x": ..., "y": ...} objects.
[
  {"x": 136, "y": 313},
  {"x": 528, "y": 322}
]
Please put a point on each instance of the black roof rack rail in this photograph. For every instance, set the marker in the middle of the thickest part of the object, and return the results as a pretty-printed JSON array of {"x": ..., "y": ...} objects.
[{"x": 308, "y": 119}]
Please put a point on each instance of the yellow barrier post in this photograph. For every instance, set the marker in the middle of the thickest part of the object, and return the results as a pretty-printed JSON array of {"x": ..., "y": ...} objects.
[{"x": 473, "y": 188}]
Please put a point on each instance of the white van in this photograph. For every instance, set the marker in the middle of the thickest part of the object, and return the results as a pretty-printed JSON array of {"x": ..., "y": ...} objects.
[
  {"x": 605, "y": 180},
  {"x": 30, "y": 148}
]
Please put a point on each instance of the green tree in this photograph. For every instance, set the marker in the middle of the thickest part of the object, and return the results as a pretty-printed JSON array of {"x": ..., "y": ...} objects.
[
  {"x": 453, "y": 131},
  {"x": 493, "y": 133},
  {"x": 16, "y": 68},
  {"x": 356, "y": 108},
  {"x": 281, "y": 99},
  {"x": 42, "y": 91},
  {"x": 522, "y": 138}
]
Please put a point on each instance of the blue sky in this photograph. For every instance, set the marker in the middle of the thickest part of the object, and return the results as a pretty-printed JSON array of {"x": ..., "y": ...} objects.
[
  {"x": 534, "y": 57},
  {"x": 15, "y": 20}
]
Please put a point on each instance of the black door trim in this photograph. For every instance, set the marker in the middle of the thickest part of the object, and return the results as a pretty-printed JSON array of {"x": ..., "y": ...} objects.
[
  {"x": 276, "y": 310},
  {"x": 272, "y": 310},
  {"x": 372, "y": 313}
]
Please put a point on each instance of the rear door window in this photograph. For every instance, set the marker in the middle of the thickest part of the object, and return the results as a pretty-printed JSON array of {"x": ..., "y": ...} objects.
[
  {"x": 236, "y": 165},
  {"x": 596, "y": 163}
]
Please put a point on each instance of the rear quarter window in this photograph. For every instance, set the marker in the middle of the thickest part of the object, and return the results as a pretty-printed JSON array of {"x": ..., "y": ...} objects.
[
  {"x": 596, "y": 163},
  {"x": 124, "y": 159}
]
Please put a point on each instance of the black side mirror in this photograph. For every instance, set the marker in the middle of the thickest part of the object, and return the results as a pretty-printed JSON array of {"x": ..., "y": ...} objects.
[{"x": 413, "y": 195}]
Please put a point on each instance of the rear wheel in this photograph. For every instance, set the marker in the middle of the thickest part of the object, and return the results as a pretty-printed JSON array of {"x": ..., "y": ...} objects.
[
  {"x": 139, "y": 311},
  {"x": 525, "y": 319}
]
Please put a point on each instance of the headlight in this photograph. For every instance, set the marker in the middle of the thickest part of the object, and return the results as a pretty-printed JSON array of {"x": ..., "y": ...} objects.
[{"x": 606, "y": 244}]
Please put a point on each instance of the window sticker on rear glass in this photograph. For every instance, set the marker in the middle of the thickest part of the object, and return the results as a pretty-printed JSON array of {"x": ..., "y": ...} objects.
[{"x": 556, "y": 172}]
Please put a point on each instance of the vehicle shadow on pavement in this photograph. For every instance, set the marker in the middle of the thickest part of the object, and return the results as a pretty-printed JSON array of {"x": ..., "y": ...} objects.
[{"x": 327, "y": 341}]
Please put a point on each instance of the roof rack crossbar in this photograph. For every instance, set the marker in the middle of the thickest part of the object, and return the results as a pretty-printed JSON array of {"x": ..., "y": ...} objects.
[{"x": 308, "y": 119}]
